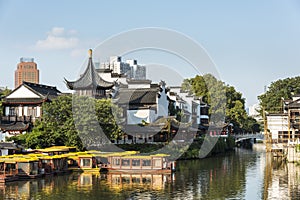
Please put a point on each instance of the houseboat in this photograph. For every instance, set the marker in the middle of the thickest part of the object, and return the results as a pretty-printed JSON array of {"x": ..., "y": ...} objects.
[
  {"x": 8, "y": 170},
  {"x": 53, "y": 164},
  {"x": 82, "y": 162},
  {"x": 28, "y": 167},
  {"x": 88, "y": 162},
  {"x": 158, "y": 163},
  {"x": 91, "y": 161}
]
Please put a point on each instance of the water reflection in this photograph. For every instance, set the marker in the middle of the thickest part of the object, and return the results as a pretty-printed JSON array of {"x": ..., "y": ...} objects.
[
  {"x": 239, "y": 175},
  {"x": 118, "y": 182},
  {"x": 282, "y": 180}
]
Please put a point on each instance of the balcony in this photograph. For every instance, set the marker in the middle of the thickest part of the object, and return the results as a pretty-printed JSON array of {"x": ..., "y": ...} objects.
[{"x": 14, "y": 118}]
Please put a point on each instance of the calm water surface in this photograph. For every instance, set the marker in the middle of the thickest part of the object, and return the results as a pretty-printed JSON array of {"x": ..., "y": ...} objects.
[{"x": 242, "y": 174}]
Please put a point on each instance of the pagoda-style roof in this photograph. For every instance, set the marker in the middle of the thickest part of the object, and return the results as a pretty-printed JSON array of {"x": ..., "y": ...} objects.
[{"x": 90, "y": 79}]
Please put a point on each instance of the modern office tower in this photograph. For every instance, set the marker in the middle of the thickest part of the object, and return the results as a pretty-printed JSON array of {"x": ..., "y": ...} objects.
[{"x": 26, "y": 71}]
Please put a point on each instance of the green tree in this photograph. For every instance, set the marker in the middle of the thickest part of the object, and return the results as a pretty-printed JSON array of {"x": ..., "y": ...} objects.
[
  {"x": 3, "y": 94},
  {"x": 199, "y": 87},
  {"x": 281, "y": 89},
  {"x": 56, "y": 126},
  {"x": 96, "y": 120},
  {"x": 186, "y": 85},
  {"x": 224, "y": 100},
  {"x": 212, "y": 91},
  {"x": 109, "y": 116},
  {"x": 74, "y": 121},
  {"x": 216, "y": 98}
]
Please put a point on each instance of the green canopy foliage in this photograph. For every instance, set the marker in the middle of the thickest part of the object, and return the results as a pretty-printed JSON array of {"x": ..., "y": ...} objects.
[
  {"x": 96, "y": 120},
  {"x": 224, "y": 101},
  {"x": 71, "y": 121},
  {"x": 281, "y": 89},
  {"x": 3, "y": 93}
]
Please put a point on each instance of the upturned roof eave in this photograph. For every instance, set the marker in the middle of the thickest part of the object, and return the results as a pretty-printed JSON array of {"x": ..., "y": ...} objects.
[{"x": 89, "y": 79}]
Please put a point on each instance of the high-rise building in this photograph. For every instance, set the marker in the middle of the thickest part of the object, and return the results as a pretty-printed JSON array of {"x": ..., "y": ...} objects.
[
  {"x": 131, "y": 69},
  {"x": 26, "y": 71}
]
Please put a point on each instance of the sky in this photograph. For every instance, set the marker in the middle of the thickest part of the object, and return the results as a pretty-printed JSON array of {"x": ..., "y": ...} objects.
[{"x": 252, "y": 43}]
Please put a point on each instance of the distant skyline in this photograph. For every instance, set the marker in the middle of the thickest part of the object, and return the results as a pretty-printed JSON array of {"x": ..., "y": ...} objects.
[{"x": 252, "y": 43}]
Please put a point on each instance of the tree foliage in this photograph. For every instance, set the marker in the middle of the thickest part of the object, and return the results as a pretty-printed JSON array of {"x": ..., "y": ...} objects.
[
  {"x": 56, "y": 126},
  {"x": 281, "y": 89},
  {"x": 223, "y": 99},
  {"x": 3, "y": 93},
  {"x": 96, "y": 120},
  {"x": 70, "y": 121}
]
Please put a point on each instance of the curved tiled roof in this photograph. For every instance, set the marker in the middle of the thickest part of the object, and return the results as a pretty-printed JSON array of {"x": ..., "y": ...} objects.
[
  {"x": 89, "y": 79},
  {"x": 16, "y": 126}
]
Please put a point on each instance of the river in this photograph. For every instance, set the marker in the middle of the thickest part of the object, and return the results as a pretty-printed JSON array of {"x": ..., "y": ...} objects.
[{"x": 242, "y": 174}]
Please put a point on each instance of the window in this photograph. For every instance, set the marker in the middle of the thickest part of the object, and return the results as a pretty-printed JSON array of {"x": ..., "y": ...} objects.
[
  {"x": 157, "y": 163},
  {"x": 45, "y": 161},
  {"x": 32, "y": 111},
  {"x": 146, "y": 163},
  {"x": 12, "y": 111},
  {"x": 125, "y": 162},
  {"x": 136, "y": 180},
  {"x": 136, "y": 162},
  {"x": 85, "y": 162},
  {"x": 116, "y": 161},
  {"x": 204, "y": 110}
]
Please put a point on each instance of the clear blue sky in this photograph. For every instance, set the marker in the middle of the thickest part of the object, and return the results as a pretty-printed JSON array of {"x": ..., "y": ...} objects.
[{"x": 251, "y": 42}]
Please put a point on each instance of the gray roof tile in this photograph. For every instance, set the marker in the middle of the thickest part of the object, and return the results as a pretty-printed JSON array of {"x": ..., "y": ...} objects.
[{"x": 89, "y": 79}]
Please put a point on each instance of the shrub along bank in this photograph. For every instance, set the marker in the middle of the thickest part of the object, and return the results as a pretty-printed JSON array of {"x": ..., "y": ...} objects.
[{"x": 222, "y": 145}]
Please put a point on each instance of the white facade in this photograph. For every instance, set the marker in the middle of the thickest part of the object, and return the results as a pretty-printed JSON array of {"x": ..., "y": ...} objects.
[
  {"x": 136, "y": 85},
  {"x": 162, "y": 102},
  {"x": 188, "y": 104},
  {"x": 277, "y": 124},
  {"x": 139, "y": 115},
  {"x": 33, "y": 111},
  {"x": 22, "y": 92},
  {"x": 152, "y": 112}
]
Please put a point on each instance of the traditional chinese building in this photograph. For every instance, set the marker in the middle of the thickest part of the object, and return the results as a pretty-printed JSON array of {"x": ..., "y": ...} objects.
[
  {"x": 23, "y": 106},
  {"x": 90, "y": 83},
  {"x": 284, "y": 126},
  {"x": 142, "y": 101}
]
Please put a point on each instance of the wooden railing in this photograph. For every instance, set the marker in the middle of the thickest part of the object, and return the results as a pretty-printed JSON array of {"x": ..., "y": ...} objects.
[{"x": 14, "y": 118}]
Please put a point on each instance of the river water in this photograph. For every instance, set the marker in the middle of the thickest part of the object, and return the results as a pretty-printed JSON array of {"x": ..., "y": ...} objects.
[{"x": 242, "y": 174}]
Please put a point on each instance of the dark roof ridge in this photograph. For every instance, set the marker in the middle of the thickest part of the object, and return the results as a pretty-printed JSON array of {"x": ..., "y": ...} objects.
[{"x": 40, "y": 85}]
